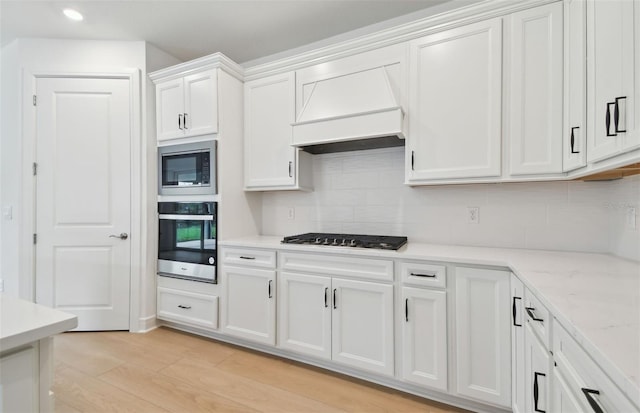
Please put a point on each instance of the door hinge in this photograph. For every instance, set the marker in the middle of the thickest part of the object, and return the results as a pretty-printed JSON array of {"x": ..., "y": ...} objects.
[
  {"x": 35, "y": 169},
  {"x": 35, "y": 100},
  {"x": 35, "y": 239}
]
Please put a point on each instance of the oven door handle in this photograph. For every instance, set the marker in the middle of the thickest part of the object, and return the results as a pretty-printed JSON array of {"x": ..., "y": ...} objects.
[{"x": 178, "y": 217}]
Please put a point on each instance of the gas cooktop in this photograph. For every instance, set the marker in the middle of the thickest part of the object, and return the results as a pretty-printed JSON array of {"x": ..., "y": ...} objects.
[{"x": 347, "y": 240}]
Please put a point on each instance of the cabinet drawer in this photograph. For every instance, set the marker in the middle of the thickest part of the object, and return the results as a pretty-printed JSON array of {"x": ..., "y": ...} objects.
[
  {"x": 249, "y": 257},
  {"x": 429, "y": 275},
  {"x": 337, "y": 265},
  {"x": 581, "y": 372},
  {"x": 538, "y": 318},
  {"x": 186, "y": 307}
]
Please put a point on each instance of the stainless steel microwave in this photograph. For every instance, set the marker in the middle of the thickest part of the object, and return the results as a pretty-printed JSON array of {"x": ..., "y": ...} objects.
[{"x": 187, "y": 169}]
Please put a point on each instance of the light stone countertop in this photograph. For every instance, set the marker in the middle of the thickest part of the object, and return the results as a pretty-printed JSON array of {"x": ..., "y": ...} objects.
[
  {"x": 23, "y": 322},
  {"x": 596, "y": 297}
]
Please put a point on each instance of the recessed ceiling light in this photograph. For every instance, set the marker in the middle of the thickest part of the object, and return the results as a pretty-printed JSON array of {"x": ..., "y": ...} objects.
[{"x": 73, "y": 14}]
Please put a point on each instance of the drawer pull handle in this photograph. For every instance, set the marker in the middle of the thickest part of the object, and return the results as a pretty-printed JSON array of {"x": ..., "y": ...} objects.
[
  {"x": 616, "y": 114},
  {"x": 536, "y": 391},
  {"x": 592, "y": 402},
  {"x": 532, "y": 315},
  {"x": 406, "y": 310},
  {"x": 514, "y": 310},
  {"x": 607, "y": 119},
  {"x": 430, "y": 275},
  {"x": 335, "y": 306},
  {"x": 573, "y": 140},
  {"x": 243, "y": 257},
  {"x": 326, "y": 295},
  {"x": 185, "y": 307},
  {"x": 270, "y": 282}
]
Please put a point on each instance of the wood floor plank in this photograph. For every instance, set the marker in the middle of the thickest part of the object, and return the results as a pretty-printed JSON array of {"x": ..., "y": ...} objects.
[
  {"x": 88, "y": 394},
  {"x": 334, "y": 389},
  {"x": 77, "y": 351},
  {"x": 259, "y": 396},
  {"x": 172, "y": 394}
]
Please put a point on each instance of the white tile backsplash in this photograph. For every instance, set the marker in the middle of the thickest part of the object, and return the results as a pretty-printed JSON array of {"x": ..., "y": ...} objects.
[{"x": 363, "y": 192}]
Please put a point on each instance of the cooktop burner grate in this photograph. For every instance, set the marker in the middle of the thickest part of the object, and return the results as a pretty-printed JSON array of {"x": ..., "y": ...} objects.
[{"x": 347, "y": 240}]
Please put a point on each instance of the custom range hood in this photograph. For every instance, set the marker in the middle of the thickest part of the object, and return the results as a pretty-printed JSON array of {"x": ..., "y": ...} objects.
[{"x": 350, "y": 112}]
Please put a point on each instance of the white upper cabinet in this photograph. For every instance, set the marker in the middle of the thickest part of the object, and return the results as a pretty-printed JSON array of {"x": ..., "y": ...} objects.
[
  {"x": 535, "y": 90},
  {"x": 455, "y": 103},
  {"x": 271, "y": 162},
  {"x": 612, "y": 78},
  {"x": 187, "y": 106},
  {"x": 574, "y": 148}
]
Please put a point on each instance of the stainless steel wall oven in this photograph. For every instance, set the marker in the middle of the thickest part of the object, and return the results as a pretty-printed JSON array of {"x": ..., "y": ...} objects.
[{"x": 187, "y": 234}]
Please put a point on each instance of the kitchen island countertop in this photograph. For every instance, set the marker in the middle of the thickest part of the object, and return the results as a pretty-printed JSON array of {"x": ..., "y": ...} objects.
[{"x": 596, "y": 297}]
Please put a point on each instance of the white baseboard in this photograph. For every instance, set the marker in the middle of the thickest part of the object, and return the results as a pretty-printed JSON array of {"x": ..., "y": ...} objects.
[{"x": 146, "y": 324}]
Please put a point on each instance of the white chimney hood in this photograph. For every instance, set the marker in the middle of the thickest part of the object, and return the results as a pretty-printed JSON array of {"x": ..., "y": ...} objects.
[{"x": 354, "y": 111}]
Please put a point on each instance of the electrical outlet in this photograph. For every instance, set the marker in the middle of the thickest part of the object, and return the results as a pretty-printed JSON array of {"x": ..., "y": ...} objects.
[
  {"x": 631, "y": 218},
  {"x": 291, "y": 214},
  {"x": 473, "y": 215}
]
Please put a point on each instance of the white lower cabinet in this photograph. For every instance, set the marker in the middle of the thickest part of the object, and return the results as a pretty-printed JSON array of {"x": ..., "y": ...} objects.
[
  {"x": 424, "y": 337},
  {"x": 483, "y": 345},
  {"x": 517, "y": 346},
  {"x": 19, "y": 384},
  {"x": 537, "y": 373},
  {"x": 362, "y": 325},
  {"x": 304, "y": 308},
  {"x": 249, "y": 305},
  {"x": 563, "y": 399},
  {"x": 196, "y": 309}
]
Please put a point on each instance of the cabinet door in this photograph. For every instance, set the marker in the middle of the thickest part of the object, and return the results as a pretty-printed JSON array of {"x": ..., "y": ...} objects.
[
  {"x": 535, "y": 109},
  {"x": 563, "y": 400},
  {"x": 611, "y": 78},
  {"x": 201, "y": 103},
  {"x": 455, "y": 103},
  {"x": 537, "y": 373},
  {"x": 304, "y": 314},
  {"x": 170, "y": 109},
  {"x": 19, "y": 381},
  {"x": 483, "y": 350},
  {"x": 424, "y": 337},
  {"x": 269, "y": 110},
  {"x": 249, "y": 304},
  {"x": 574, "y": 146},
  {"x": 362, "y": 325},
  {"x": 517, "y": 346}
]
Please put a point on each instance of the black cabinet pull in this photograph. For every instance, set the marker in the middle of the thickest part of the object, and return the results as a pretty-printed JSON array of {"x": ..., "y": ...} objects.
[
  {"x": 532, "y": 315},
  {"x": 184, "y": 122},
  {"x": 592, "y": 402},
  {"x": 416, "y": 274},
  {"x": 186, "y": 307},
  {"x": 412, "y": 160},
  {"x": 607, "y": 118},
  {"x": 326, "y": 293},
  {"x": 514, "y": 311},
  {"x": 334, "y": 299},
  {"x": 616, "y": 114},
  {"x": 406, "y": 310},
  {"x": 573, "y": 140},
  {"x": 290, "y": 164},
  {"x": 536, "y": 391},
  {"x": 243, "y": 257},
  {"x": 180, "y": 121},
  {"x": 270, "y": 281}
]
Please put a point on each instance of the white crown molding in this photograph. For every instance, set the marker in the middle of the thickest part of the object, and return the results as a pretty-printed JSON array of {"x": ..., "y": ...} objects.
[
  {"x": 212, "y": 61},
  {"x": 397, "y": 34}
]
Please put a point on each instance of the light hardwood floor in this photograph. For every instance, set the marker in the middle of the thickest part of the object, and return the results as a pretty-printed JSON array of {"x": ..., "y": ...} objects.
[{"x": 170, "y": 371}]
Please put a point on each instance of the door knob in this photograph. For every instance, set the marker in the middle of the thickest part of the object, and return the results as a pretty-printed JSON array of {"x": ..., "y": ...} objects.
[{"x": 123, "y": 235}]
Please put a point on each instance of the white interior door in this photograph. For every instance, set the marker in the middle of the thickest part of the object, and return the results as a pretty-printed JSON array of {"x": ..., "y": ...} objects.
[{"x": 83, "y": 199}]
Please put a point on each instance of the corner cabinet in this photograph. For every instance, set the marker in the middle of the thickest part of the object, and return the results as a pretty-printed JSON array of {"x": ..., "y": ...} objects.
[
  {"x": 270, "y": 162},
  {"x": 613, "y": 64},
  {"x": 455, "y": 104},
  {"x": 483, "y": 349},
  {"x": 187, "y": 106}
]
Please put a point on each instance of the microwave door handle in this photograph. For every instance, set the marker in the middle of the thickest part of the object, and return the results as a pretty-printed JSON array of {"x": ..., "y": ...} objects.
[{"x": 178, "y": 217}]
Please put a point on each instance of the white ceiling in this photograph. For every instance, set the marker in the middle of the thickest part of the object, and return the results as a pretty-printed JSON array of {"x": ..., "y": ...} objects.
[{"x": 244, "y": 30}]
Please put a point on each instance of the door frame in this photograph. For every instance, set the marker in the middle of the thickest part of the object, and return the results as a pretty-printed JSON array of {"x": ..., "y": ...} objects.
[{"x": 27, "y": 276}]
